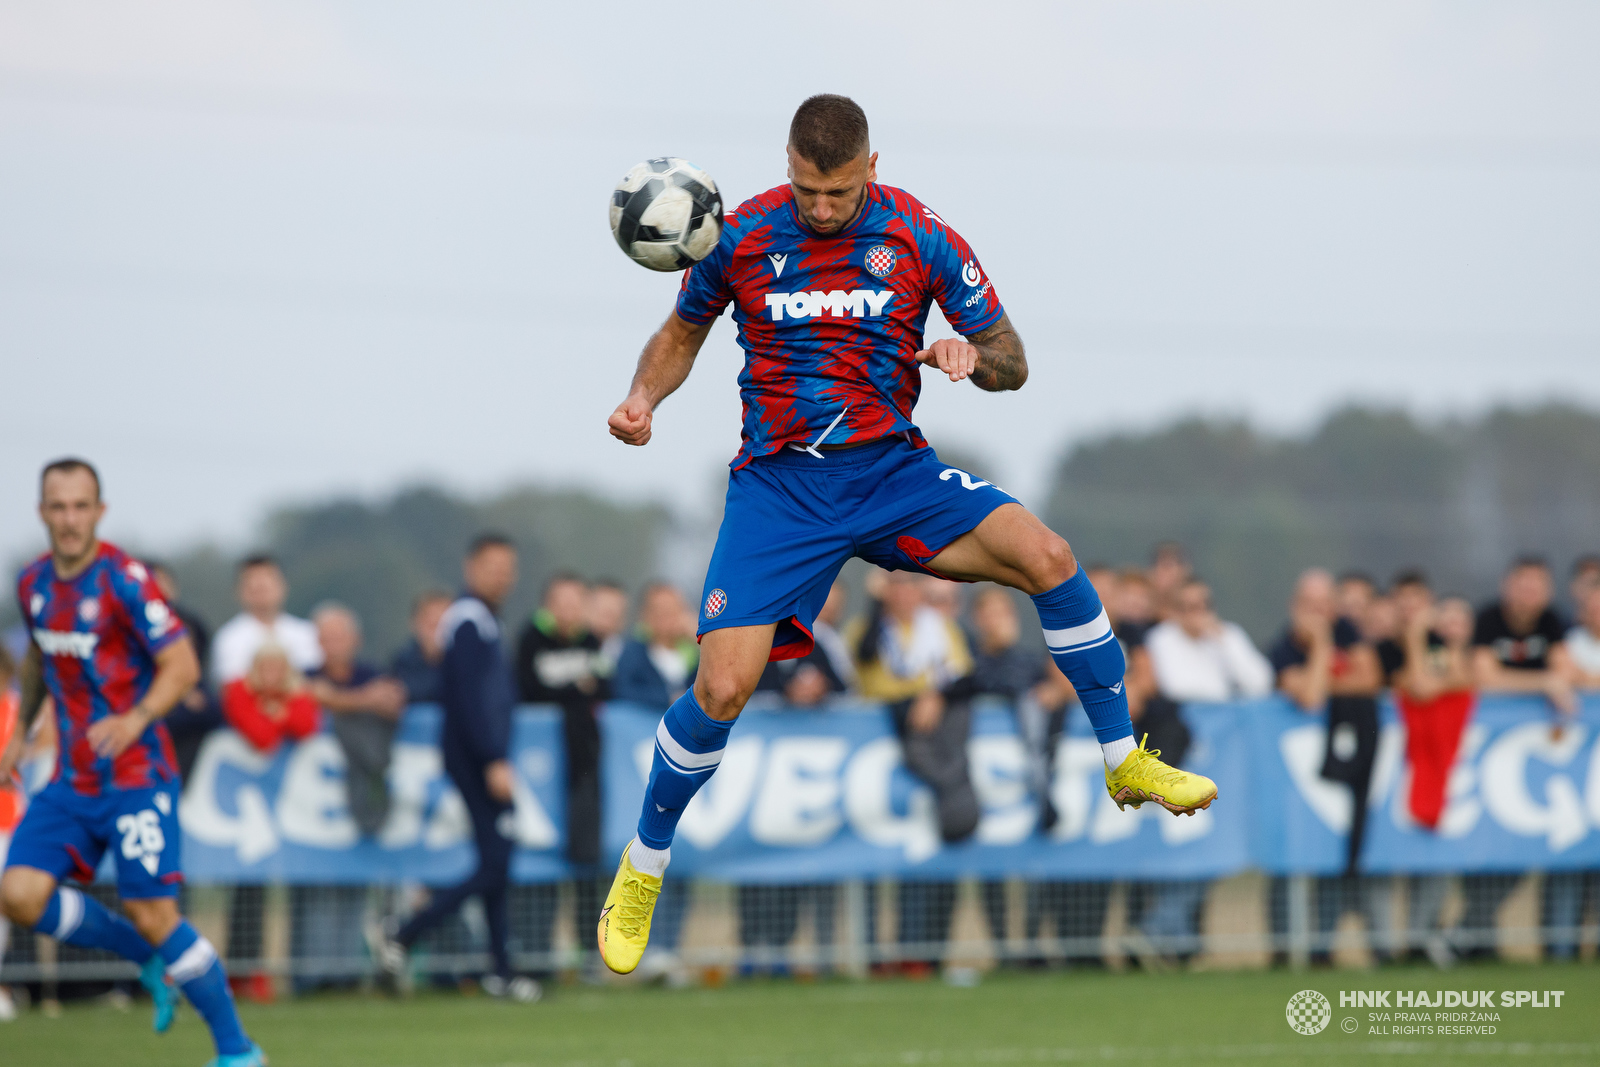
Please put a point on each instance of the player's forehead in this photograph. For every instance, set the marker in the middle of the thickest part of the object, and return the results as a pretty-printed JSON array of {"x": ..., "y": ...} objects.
[
  {"x": 808, "y": 176},
  {"x": 71, "y": 485}
]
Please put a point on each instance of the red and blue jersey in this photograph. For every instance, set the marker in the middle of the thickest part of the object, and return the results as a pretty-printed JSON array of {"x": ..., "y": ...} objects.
[
  {"x": 99, "y": 634},
  {"x": 831, "y": 325}
]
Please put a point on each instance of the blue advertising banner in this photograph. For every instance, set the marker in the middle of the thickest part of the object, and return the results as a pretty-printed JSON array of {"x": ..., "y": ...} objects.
[{"x": 817, "y": 796}]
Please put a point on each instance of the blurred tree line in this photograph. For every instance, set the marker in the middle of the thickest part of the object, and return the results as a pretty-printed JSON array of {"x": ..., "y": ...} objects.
[
  {"x": 1368, "y": 490},
  {"x": 376, "y": 557}
]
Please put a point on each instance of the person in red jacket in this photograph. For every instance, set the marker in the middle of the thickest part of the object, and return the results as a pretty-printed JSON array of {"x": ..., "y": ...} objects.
[{"x": 271, "y": 704}]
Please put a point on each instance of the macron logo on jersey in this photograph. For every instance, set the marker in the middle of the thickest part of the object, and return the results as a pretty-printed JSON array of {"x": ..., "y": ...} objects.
[
  {"x": 859, "y": 303},
  {"x": 65, "y": 643}
]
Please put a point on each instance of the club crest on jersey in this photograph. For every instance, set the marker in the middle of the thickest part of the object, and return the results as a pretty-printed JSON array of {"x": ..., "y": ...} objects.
[
  {"x": 89, "y": 610},
  {"x": 716, "y": 603},
  {"x": 880, "y": 261}
]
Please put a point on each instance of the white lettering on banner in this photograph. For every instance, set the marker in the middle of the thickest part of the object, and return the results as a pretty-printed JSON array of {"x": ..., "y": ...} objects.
[
  {"x": 858, "y": 303},
  {"x": 798, "y": 801},
  {"x": 249, "y": 832},
  {"x": 411, "y": 768},
  {"x": 532, "y": 826},
  {"x": 65, "y": 643},
  {"x": 312, "y": 805},
  {"x": 869, "y": 806},
  {"x": 722, "y": 802},
  {"x": 1593, "y": 793},
  {"x": 1000, "y": 778},
  {"x": 1504, "y": 771},
  {"x": 1079, "y": 780}
]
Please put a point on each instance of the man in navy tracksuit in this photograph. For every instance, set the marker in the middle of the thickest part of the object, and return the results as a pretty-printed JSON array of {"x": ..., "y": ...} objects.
[{"x": 477, "y": 696}]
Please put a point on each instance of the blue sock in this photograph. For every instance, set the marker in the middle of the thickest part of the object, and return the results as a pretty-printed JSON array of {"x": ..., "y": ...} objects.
[
  {"x": 193, "y": 966},
  {"x": 689, "y": 746},
  {"x": 1079, "y": 636},
  {"x": 84, "y": 921}
]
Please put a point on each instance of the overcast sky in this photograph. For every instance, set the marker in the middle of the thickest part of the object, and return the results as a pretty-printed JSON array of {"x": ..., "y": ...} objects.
[{"x": 256, "y": 252}]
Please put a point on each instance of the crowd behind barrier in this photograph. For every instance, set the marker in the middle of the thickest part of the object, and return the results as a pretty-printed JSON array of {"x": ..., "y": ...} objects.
[{"x": 918, "y": 791}]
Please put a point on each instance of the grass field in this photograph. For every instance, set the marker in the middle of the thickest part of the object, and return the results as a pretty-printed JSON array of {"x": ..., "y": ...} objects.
[{"x": 1009, "y": 1018}]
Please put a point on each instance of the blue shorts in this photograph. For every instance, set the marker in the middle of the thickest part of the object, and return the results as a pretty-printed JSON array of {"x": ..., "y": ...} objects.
[
  {"x": 65, "y": 834},
  {"x": 792, "y": 519}
]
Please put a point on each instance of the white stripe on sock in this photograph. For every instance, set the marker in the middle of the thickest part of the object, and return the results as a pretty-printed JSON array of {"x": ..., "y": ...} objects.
[
  {"x": 71, "y": 913},
  {"x": 195, "y": 961},
  {"x": 682, "y": 758},
  {"x": 1093, "y": 632}
]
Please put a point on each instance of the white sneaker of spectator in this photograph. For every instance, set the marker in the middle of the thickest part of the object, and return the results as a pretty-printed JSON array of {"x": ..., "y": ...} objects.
[{"x": 521, "y": 989}]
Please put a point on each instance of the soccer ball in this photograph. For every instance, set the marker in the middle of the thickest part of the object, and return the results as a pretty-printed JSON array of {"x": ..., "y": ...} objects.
[{"x": 666, "y": 213}]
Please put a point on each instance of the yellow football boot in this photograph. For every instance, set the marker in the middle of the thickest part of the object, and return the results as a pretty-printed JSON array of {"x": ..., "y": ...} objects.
[
  {"x": 624, "y": 928},
  {"x": 1143, "y": 777}
]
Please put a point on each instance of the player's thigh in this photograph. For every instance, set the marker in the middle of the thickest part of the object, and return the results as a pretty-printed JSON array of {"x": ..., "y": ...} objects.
[
  {"x": 54, "y": 840},
  {"x": 1012, "y": 547},
  {"x": 24, "y": 894},
  {"x": 145, "y": 840},
  {"x": 731, "y": 662}
]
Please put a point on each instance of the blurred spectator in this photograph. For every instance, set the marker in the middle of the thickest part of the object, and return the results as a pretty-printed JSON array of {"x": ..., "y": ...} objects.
[
  {"x": 808, "y": 681},
  {"x": 605, "y": 611},
  {"x": 1132, "y": 606},
  {"x": 907, "y": 653},
  {"x": 268, "y": 705},
  {"x": 416, "y": 665},
  {"x": 475, "y": 740},
  {"x": 262, "y": 592},
  {"x": 271, "y": 703},
  {"x": 1323, "y": 665},
  {"x": 655, "y": 668},
  {"x": 1169, "y": 569},
  {"x": 1585, "y": 579},
  {"x": 1518, "y": 639},
  {"x": 558, "y": 662},
  {"x": 1430, "y": 667},
  {"x": 364, "y": 707},
  {"x": 1197, "y": 658},
  {"x": 1583, "y": 641},
  {"x": 196, "y": 715}
]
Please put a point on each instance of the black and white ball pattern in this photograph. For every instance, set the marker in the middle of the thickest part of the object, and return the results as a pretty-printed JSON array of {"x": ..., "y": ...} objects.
[{"x": 666, "y": 213}]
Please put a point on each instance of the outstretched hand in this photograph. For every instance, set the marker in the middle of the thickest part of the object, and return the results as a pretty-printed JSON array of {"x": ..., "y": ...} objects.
[
  {"x": 630, "y": 423},
  {"x": 953, "y": 356}
]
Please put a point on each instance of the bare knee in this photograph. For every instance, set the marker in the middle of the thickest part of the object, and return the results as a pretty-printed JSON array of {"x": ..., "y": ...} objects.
[
  {"x": 1050, "y": 564},
  {"x": 24, "y": 894},
  {"x": 723, "y": 691},
  {"x": 155, "y": 918}
]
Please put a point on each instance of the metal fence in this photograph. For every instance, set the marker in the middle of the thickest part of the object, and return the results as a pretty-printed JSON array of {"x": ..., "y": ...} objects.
[{"x": 303, "y": 938}]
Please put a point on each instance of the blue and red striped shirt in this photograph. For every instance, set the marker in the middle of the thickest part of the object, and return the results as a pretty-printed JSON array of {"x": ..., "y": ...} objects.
[
  {"x": 99, "y": 634},
  {"x": 831, "y": 325}
]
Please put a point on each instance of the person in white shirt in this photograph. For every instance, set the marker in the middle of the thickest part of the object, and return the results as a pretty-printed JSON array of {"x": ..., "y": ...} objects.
[
  {"x": 1583, "y": 641},
  {"x": 262, "y": 592},
  {"x": 1198, "y": 657}
]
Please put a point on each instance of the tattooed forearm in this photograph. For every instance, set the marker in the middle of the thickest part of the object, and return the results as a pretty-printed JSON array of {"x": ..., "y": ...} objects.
[{"x": 1002, "y": 363}]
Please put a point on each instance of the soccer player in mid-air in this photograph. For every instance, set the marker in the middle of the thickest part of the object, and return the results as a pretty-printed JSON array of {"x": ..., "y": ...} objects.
[
  {"x": 830, "y": 278},
  {"x": 114, "y": 658}
]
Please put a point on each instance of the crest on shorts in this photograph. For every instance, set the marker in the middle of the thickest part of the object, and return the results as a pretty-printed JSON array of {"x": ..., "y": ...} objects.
[
  {"x": 716, "y": 601},
  {"x": 880, "y": 261}
]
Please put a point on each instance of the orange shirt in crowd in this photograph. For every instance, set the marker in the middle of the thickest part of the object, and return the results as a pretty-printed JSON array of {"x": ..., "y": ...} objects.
[
  {"x": 11, "y": 799},
  {"x": 296, "y": 717}
]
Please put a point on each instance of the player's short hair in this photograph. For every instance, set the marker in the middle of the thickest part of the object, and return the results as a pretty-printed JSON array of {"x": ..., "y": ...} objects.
[
  {"x": 829, "y": 131},
  {"x": 1529, "y": 560},
  {"x": 259, "y": 559},
  {"x": 1589, "y": 561},
  {"x": 487, "y": 540},
  {"x": 66, "y": 465}
]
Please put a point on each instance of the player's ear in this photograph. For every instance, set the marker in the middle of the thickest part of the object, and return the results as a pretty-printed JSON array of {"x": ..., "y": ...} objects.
[{"x": 872, "y": 167}]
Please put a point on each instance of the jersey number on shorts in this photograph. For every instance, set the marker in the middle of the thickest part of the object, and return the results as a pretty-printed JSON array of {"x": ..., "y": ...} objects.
[
  {"x": 142, "y": 838},
  {"x": 966, "y": 479}
]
